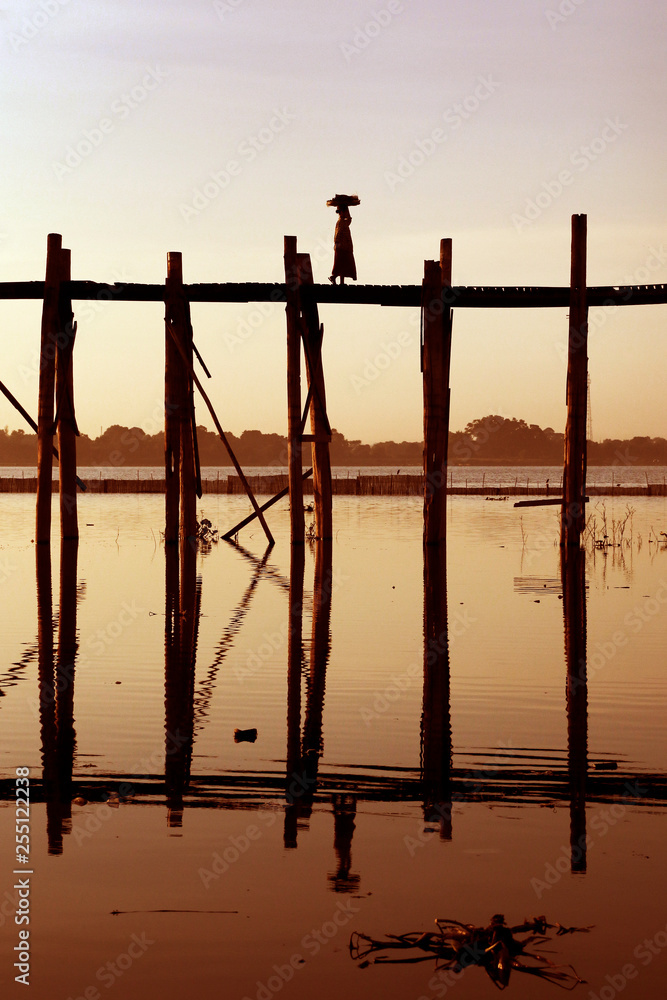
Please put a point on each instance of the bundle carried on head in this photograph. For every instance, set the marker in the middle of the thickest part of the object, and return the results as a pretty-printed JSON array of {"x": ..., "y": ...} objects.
[{"x": 344, "y": 201}]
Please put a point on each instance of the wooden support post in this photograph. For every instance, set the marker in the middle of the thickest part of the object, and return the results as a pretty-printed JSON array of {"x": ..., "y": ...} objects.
[
  {"x": 265, "y": 506},
  {"x": 319, "y": 423},
  {"x": 182, "y": 332},
  {"x": 47, "y": 375},
  {"x": 173, "y": 404},
  {"x": 436, "y": 320},
  {"x": 297, "y": 519},
  {"x": 573, "y": 511},
  {"x": 65, "y": 418},
  {"x": 447, "y": 319}
]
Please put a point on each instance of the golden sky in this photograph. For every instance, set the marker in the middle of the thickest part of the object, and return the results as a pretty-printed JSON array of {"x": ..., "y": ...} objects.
[{"x": 215, "y": 128}]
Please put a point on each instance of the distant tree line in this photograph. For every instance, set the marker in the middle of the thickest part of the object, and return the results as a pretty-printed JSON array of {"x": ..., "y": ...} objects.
[{"x": 491, "y": 440}]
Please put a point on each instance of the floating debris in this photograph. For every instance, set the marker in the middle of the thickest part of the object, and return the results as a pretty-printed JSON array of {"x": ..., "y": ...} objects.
[
  {"x": 206, "y": 533},
  {"x": 456, "y": 946},
  {"x": 245, "y": 735}
]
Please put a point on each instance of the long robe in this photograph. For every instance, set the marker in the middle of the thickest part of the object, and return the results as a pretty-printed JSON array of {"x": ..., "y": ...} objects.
[{"x": 344, "y": 265}]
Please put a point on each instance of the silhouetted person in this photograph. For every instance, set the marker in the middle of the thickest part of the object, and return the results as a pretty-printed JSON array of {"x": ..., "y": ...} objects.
[{"x": 343, "y": 265}]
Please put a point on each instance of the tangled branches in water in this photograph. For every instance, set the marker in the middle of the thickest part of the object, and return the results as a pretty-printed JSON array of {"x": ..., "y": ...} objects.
[
  {"x": 207, "y": 535},
  {"x": 497, "y": 948}
]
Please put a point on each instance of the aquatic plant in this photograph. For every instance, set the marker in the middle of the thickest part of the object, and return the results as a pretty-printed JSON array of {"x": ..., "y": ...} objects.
[{"x": 496, "y": 948}]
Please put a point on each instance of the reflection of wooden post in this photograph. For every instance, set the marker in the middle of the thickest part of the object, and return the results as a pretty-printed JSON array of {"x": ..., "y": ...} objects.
[
  {"x": 313, "y": 334},
  {"x": 320, "y": 648},
  {"x": 183, "y": 608},
  {"x": 69, "y": 527},
  {"x": 297, "y": 520},
  {"x": 573, "y": 510},
  {"x": 435, "y": 365},
  {"x": 436, "y": 733},
  {"x": 294, "y": 676},
  {"x": 573, "y": 573},
  {"x": 344, "y": 810},
  {"x": 65, "y": 667},
  {"x": 47, "y": 374},
  {"x": 47, "y": 698}
]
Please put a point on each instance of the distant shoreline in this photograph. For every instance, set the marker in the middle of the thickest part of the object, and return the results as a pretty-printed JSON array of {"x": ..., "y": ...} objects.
[{"x": 359, "y": 485}]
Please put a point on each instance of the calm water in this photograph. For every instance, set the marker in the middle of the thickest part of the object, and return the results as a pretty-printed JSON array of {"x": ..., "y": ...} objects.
[
  {"x": 504, "y": 476},
  {"x": 388, "y": 784}
]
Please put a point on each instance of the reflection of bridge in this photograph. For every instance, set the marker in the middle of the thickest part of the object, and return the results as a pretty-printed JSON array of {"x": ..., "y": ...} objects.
[{"x": 437, "y": 784}]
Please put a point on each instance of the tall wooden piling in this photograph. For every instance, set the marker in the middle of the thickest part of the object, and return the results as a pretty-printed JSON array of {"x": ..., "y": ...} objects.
[
  {"x": 66, "y": 420},
  {"x": 173, "y": 403},
  {"x": 297, "y": 520},
  {"x": 313, "y": 333},
  {"x": 436, "y": 332},
  {"x": 573, "y": 511},
  {"x": 181, "y": 328},
  {"x": 47, "y": 376}
]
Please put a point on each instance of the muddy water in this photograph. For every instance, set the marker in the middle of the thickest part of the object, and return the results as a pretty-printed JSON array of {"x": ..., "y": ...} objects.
[{"x": 394, "y": 778}]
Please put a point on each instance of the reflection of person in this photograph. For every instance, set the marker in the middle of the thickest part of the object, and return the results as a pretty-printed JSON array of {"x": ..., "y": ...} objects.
[{"x": 343, "y": 265}]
